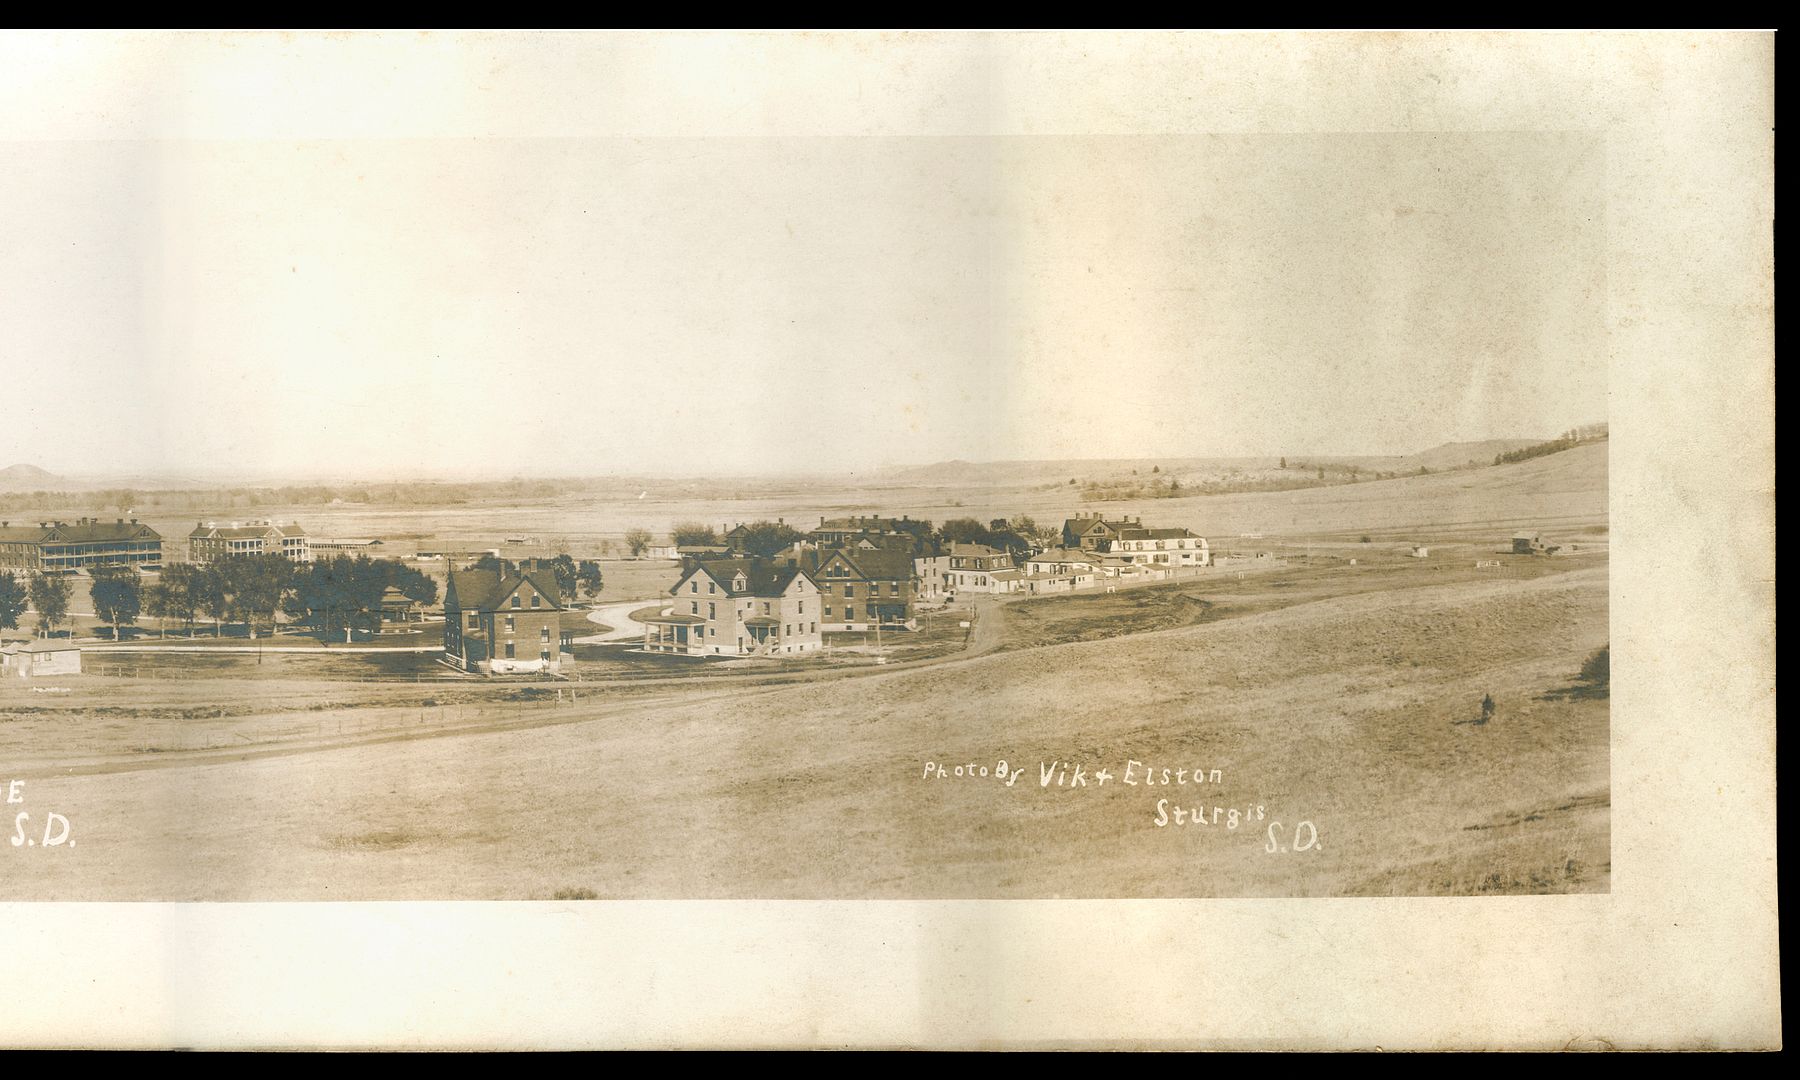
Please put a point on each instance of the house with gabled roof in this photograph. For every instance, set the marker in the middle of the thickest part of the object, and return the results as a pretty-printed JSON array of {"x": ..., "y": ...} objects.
[
  {"x": 503, "y": 622},
  {"x": 39, "y": 657},
  {"x": 964, "y": 568},
  {"x": 1160, "y": 547},
  {"x": 1094, "y": 532},
  {"x": 862, "y": 589},
  {"x": 738, "y": 607}
]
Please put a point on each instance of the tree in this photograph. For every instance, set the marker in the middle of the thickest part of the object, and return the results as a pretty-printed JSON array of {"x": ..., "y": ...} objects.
[
  {"x": 767, "y": 538},
  {"x": 347, "y": 592},
  {"x": 210, "y": 597},
  {"x": 964, "y": 531},
  {"x": 495, "y": 562},
  {"x": 1155, "y": 469},
  {"x": 588, "y": 574},
  {"x": 12, "y": 601},
  {"x": 1596, "y": 673},
  {"x": 693, "y": 534},
  {"x": 1284, "y": 463},
  {"x": 637, "y": 541},
  {"x": 117, "y": 594},
  {"x": 50, "y": 596},
  {"x": 566, "y": 575},
  {"x": 1321, "y": 472},
  {"x": 415, "y": 584},
  {"x": 254, "y": 586},
  {"x": 185, "y": 585},
  {"x": 159, "y": 604}
]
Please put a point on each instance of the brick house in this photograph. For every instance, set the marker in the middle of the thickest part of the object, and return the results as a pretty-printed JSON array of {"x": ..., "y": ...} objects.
[
  {"x": 503, "y": 623},
  {"x": 210, "y": 541},
  {"x": 738, "y": 607},
  {"x": 863, "y": 588}
]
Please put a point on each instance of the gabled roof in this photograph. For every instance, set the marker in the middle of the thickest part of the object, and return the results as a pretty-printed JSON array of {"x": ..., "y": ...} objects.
[
  {"x": 981, "y": 551},
  {"x": 82, "y": 532},
  {"x": 49, "y": 645},
  {"x": 1063, "y": 555},
  {"x": 880, "y": 564},
  {"x": 761, "y": 577},
  {"x": 1158, "y": 534},
  {"x": 488, "y": 590}
]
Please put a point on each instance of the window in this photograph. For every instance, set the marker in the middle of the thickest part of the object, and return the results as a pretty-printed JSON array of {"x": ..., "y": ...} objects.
[
  {"x": 534, "y": 599},
  {"x": 694, "y": 586},
  {"x": 544, "y": 654},
  {"x": 712, "y": 611},
  {"x": 509, "y": 624},
  {"x": 543, "y": 633},
  {"x": 509, "y": 650},
  {"x": 474, "y": 620},
  {"x": 828, "y": 611},
  {"x": 815, "y": 628},
  {"x": 695, "y": 605},
  {"x": 711, "y": 588},
  {"x": 515, "y": 599},
  {"x": 802, "y": 609},
  {"x": 765, "y": 607},
  {"x": 849, "y": 591}
]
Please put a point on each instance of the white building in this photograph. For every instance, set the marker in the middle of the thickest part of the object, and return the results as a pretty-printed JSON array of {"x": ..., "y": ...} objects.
[{"x": 1161, "y": 547}]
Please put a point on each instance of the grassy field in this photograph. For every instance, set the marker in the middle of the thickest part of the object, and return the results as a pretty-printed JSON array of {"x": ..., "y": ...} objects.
[{"x": 1337, "y": 701}]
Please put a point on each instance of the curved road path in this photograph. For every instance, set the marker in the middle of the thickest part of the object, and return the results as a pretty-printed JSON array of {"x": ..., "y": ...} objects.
[{"x": 618, "y": 617}]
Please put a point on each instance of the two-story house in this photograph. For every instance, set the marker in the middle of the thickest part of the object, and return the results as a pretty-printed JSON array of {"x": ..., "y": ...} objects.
[
  {"x": 738, "y": 607},
  {"x": 865, "y": 588},
  {"x": 1161, "y": 547},
  {"x": 1094, "y": 532},
  {"x": 971, "y": 568},
  {"x": 503, "y": 622}
]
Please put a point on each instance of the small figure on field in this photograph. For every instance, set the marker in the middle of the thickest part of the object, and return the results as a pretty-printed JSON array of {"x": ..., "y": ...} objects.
[{"x": 1487, "y": 707}]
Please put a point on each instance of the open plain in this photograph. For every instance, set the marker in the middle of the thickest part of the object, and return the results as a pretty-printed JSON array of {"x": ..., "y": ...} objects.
[{"x": 1325, "y": 687}]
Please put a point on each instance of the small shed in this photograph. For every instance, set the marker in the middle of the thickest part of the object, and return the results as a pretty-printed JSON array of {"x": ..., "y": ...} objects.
[
  {"x": 40, "y": 657},
  {"x": 1526, "y": 543}
]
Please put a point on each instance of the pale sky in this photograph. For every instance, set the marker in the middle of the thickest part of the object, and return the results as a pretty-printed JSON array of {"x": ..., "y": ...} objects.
[{"x": 476, "y": 307}]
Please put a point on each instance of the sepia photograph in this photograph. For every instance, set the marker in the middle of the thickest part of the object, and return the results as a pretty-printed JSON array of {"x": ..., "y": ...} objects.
[{"x": 485, "y": 500}]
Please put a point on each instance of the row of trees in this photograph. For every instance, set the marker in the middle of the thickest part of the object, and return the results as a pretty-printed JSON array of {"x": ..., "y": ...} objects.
[
  {"x": 769, "y": 538},
  {"x": 1568, "y": 440},
  {"x": 47, "y": 594},
  {"x": 250, "y": 589}
]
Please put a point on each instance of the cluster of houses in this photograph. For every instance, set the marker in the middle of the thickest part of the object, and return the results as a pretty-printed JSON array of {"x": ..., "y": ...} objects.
[{"x": 870, "y": 573}]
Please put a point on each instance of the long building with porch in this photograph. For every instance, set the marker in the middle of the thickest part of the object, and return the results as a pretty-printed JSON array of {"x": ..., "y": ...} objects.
[
  {"x": 210, "y": 541},
  {"x": 58, "y": 547}
]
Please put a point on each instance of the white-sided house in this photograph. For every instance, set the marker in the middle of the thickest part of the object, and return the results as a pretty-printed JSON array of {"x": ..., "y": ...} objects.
[
  {"x": 1062, "y": 562},
  {"x": 1161, "y": 547},
  {"x": 40, "y": 657},
  {"x": 1038, "y": 584},
  {"x": 738, "y": 607},
  {"x": 973, "y": 568}
]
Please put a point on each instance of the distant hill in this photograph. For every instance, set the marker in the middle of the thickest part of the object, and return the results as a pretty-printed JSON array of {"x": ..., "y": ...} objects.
[
  {"x": 1452, "y": 455},
  {"x": 27, "y": 478}
]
